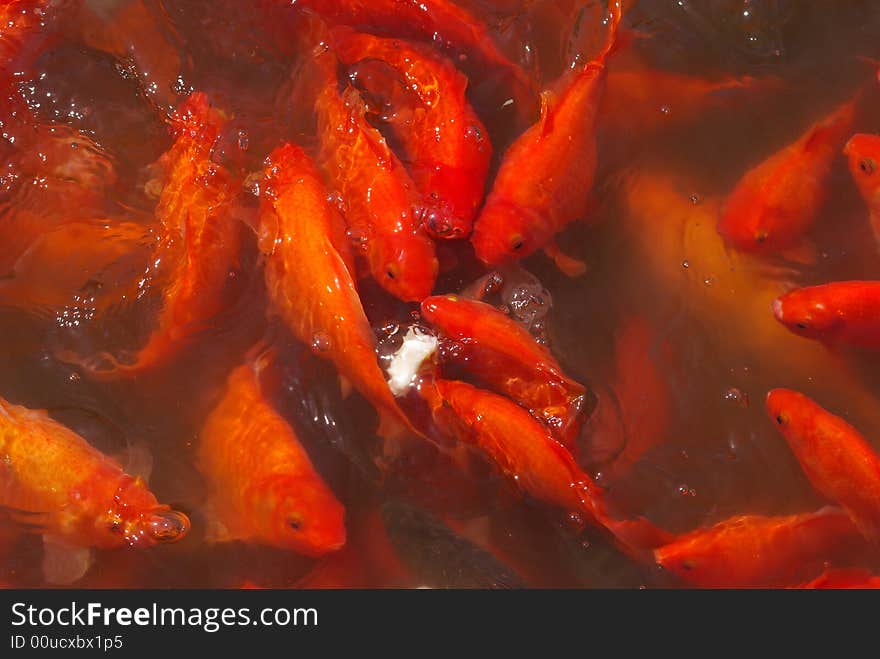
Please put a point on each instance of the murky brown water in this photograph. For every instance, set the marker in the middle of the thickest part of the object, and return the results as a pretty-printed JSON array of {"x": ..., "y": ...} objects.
[{"x": 665, "y": 329}]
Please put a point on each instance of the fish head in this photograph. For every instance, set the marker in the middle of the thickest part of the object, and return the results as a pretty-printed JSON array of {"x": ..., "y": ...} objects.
[
  {"x": 405, "y": 264},
  {"x": 302, "y": 516},
  {"x": 863, "y": 153},
  {"x": 789, "y": 411},
  {"x": 442, "y": 222},
  {"x": 137, "y": 519},
  {"x": 452, "y": 197},
  {"x": 506, "y": 232},
  {"x": 806, "y": 314},
  {"x": 442, "y": 311},
  {"x": 750, "y": 226}
]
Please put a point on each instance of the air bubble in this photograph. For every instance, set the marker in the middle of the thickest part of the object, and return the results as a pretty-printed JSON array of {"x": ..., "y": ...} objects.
[{"x": 321, "y": 342}]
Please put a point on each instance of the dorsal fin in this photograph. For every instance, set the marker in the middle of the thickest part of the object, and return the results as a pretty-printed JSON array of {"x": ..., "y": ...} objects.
[{"x": 548, "y": 100}]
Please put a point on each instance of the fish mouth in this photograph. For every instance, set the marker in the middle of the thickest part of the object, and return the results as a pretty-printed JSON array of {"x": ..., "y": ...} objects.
[{"x": 167, "y": 526}]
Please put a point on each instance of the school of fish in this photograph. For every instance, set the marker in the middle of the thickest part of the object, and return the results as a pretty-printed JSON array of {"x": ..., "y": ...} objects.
[{"x": 410, "y": 167}]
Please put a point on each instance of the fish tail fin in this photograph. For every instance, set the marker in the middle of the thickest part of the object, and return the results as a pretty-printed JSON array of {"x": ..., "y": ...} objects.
[{"x": 105, "y": 367}]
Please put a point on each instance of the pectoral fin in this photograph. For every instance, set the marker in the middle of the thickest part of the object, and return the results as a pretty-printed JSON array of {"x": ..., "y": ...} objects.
[
  {"x": 63, "y": 563},
  {"x": 568, "y": 265}
]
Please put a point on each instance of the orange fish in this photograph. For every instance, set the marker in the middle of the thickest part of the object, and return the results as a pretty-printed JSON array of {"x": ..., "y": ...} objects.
[
  {"x": 381, "y": 203},
  {"x": 310, "y": 277},
  {"x": 48, "y": 183},
  {"x": 863, "y": 153},
  {"x": 837, "y": 460},
  {"x": 526, "y": 451},
  {"x": 512, "y": 439},
  {"x": 52, "y": 481},
  {"x": 752, "y": 551},
  {"x": 838, "y": 312},
  {"x": 547, "y": 173},
  {"x": 445, "y": 145},
  {"x": 508, "y": 359},
  {"x": 441, "y": 23},
  {"x": 78, "y": 268},
  {"x": 775, "y": 203},
  {"x": 263, "y": 487},
  {"x": 199, "y": 242},
  {"x": 841, "y": 578},
  {"x": 643, "y": 393}
]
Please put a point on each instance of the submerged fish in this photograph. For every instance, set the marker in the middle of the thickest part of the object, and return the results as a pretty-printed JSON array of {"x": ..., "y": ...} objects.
[
  {"x": 525, "y": 450},
  {"x": 775, "y": 203},
  {"x": 262, "y": 485},
  {"x": 53, "y": 482},
  {"x": 382, "y": 208},
  {"x": 310, "y": 279},
  {"x": 442, "y": 23},
  {"x": 863, "y": 153},
  {"x": 841, "y": 312},
  {"x": 198, "y": 245},
  {"x": 753, "y": 551},
  {"x": 837, "y": 459},
  {"x": 547, "y": 173}
]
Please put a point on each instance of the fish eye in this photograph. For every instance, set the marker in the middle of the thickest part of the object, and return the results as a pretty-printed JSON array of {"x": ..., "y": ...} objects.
[
  {"x": 295, "y": 523},
  {"x": 517, "y": 242},
  {"x": 780, "y": 419},
  {"x": 392, "y": 271},
  {"x": 761, "y": 237},
  {"x": 801, "y": 325},
  {"x": 867, "y": 165}
]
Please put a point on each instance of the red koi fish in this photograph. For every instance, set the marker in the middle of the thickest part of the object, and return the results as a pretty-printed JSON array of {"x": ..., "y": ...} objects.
[
  {"x": 508, "y": 359},
  {"x": 752, "y": 551},
  {"x": 775, "y": 203},
  {"x": 445, "y": 145},
  {"x": 263, "y": 487},
  {"x": 841, "y": 578},
  {"x": 441, "y": 23},
  {"x": 838, "y": 461},
  {"x": 199, "y": 239},
  {"x": 310, "y": 278},
  {"x": 547, "y": 173},
  {"x": 381, "y": 203},
  {"x": 840, "y": 312},
  {"x": 54, "y": 482},
  {"x": 863, "y": 154},
  {"x": 524, "y": 449}
]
